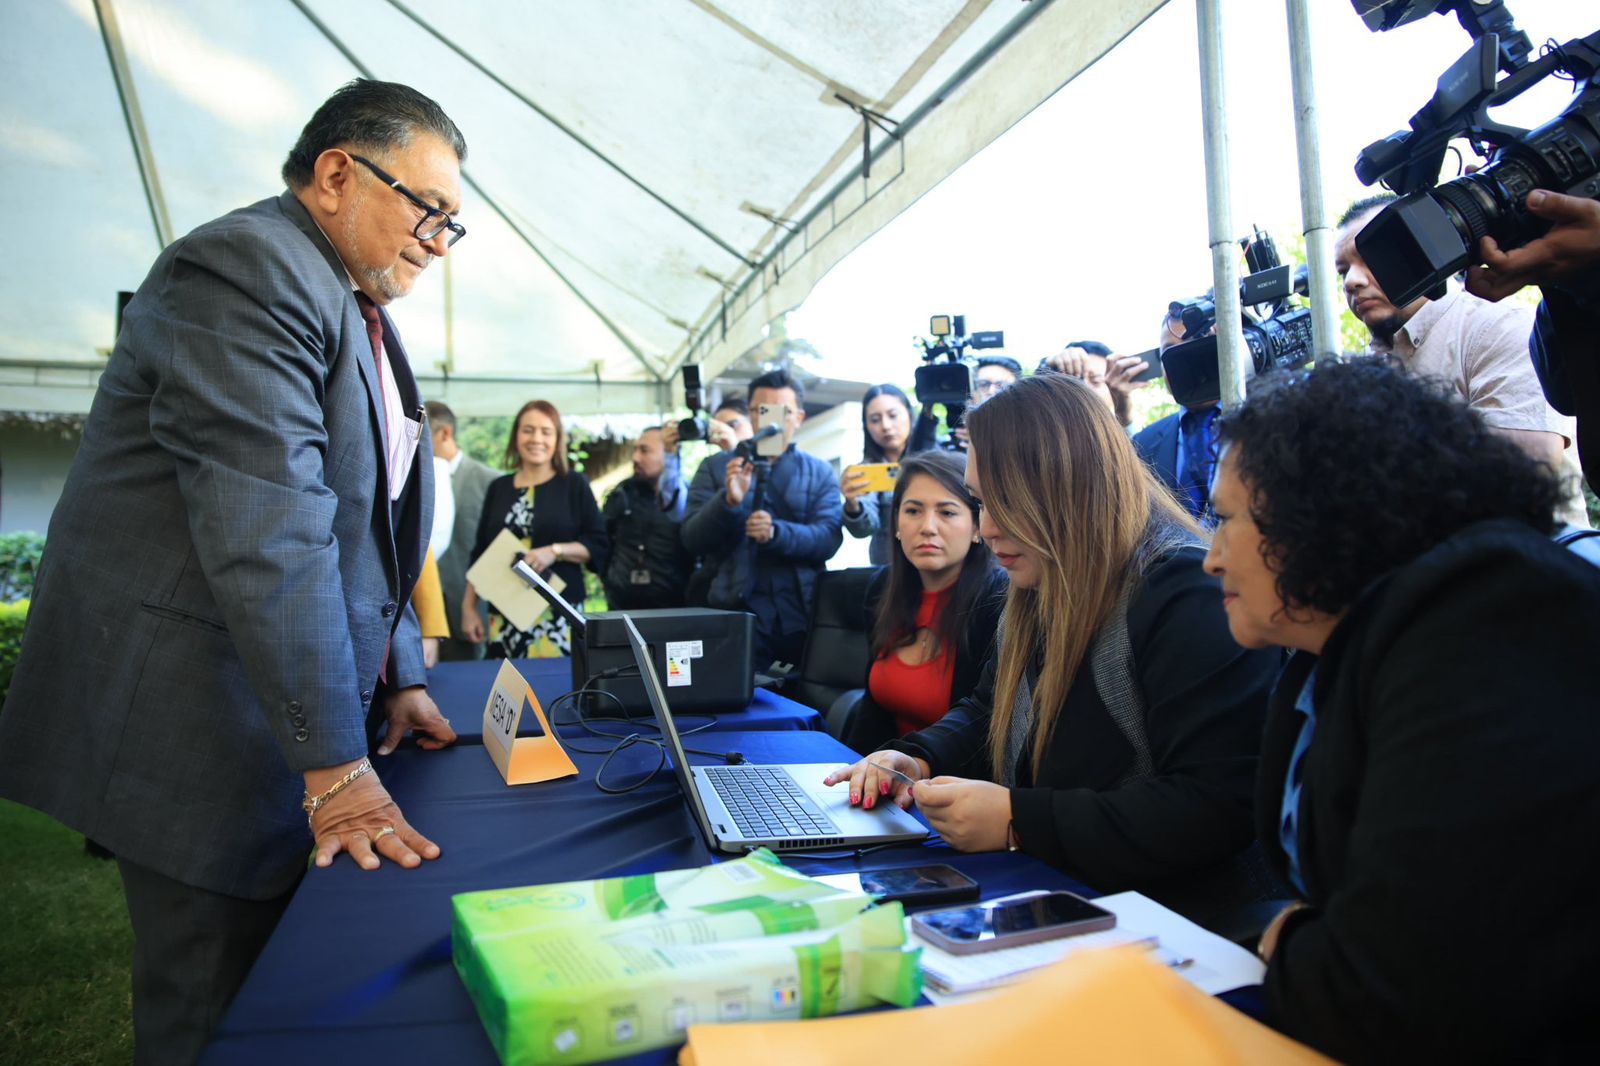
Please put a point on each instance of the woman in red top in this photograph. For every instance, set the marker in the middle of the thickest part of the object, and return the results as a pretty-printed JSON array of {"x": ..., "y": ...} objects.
[{"x": 934, "y": 607}]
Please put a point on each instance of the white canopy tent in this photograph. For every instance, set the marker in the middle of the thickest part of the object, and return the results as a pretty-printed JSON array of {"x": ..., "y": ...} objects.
[{"x": 649, "y": 182}]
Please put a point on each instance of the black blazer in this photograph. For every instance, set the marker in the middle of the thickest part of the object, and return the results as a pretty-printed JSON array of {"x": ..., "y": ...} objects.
[
  {"x": 870, "y": 726},
  {"x": 1449, "y": 813},
  {"x": 1157, "y": 445},
  {"x": 1180, "y": 835}
]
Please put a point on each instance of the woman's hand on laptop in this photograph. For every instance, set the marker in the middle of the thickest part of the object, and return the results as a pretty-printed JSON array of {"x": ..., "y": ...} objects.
[{"x": 881, "y": 775}]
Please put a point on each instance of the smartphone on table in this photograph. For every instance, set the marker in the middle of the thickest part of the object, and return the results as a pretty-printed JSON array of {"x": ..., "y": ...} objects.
[
  {"x": 1011, "y": 923},
  {"x": 911, "y": 885}
]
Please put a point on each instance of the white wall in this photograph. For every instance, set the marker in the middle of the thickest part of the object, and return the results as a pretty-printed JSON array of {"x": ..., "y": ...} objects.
[{"x": 33, "y": 471}]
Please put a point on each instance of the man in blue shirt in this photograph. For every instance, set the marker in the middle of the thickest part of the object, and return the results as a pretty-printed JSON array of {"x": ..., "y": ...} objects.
[{"x": 765, "y": 535}]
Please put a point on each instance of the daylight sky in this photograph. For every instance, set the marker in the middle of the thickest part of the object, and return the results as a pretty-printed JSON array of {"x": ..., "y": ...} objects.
[{"x": 1088, "y": 216}]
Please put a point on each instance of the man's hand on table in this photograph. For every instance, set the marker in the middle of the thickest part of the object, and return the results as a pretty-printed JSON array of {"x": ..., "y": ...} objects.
[
  {"x": 364, "y": 821},
  {"x": 413, "y": 709}
]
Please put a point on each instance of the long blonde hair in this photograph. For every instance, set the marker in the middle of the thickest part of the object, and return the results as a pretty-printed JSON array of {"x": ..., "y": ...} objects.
[{"x": 1061, "y": 478}]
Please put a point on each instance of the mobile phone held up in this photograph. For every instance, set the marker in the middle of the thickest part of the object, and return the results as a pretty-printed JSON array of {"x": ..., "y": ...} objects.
[
  {"x": 880, "y": 477},
  {"x": 911, "y": 885},
  {"x": 1011, "y": 923}
]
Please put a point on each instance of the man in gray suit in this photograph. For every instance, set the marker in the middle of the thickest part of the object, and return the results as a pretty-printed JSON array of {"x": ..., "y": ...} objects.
[
  {"x": 469, "y": 482},
  {"x": 219, "y": 615}
]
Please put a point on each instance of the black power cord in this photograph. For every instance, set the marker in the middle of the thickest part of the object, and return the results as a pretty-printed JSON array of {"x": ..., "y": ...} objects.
[{"x": 624, "y": 741}]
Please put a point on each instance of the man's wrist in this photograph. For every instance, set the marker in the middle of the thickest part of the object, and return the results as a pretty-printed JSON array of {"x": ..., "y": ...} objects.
[{"x": 322, "y": 778}]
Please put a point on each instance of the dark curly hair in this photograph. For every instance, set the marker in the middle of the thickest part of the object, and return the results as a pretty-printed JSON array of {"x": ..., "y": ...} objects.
[{"x": 1354, "y": 469}]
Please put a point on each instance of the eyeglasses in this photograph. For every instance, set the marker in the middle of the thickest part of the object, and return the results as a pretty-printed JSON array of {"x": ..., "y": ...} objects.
[
  {"x": 982, "y": 387},
  {"x": 434, "y": 221}
]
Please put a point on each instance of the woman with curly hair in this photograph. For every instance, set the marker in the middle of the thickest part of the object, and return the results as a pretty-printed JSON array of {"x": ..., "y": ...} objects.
[
  {"x": 1428, "y": 775},
  {"x": 1115, "y": 729}
]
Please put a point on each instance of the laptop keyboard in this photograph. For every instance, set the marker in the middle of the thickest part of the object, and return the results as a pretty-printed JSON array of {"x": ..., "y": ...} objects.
[{"x": 766, "y": 802}]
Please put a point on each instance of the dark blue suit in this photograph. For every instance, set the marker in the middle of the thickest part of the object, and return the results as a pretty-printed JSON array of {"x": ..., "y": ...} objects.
[{"x": 1157, "y": 445}]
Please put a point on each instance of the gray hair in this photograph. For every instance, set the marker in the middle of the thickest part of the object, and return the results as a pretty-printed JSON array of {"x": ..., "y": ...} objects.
[{"x": 371, "y": 115}]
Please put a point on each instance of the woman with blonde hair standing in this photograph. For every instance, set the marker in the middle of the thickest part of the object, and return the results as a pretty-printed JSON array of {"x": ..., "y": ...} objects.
[{"x": 1115, "y": 731}]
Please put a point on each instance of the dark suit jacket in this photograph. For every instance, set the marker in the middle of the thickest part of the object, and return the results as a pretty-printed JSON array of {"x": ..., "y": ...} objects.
[
  {"x": 1180, "y": 834},
  {"x": 469, "y": 485},
  {"x": 1157, "y": 445},
  {"x": 224, "y": 569},
  {"x": 870, "y": 726},
  {"x": 1449, "y": 813}
]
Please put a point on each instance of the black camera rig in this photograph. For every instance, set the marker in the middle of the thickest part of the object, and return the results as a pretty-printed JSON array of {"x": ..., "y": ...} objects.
[
  {"x": 1433, "y": 231},
  {"x": 1277, "y": 333}
]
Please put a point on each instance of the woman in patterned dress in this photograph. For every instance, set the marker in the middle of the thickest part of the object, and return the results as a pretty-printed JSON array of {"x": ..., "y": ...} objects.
[{"x": 551, "y": 509}]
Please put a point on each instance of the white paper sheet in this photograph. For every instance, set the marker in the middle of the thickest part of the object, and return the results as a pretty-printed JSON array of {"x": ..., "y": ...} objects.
[{"x": 1214, "y": 965}]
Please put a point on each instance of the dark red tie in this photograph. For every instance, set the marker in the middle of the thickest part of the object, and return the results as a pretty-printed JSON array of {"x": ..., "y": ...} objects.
[{"x": 369, "y": 312}]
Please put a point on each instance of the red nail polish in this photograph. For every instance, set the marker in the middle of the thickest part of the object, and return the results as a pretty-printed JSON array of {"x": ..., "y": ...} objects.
[
  {"x": 883, "y": 788},
  {"x": 855, "y": 798},
  {"x": 869, "y": 802}
]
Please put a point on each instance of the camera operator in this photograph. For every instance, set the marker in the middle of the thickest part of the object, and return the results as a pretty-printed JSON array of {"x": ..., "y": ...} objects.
[
  {"x": 649, "y": 566},
  {"x": 1181, "y": 448},
  {"x": 766, "y": 536},
  {"x": 1565, "y": 264},
  {"x": 1478, "y": 347},
  {"x": 1113, "y": 377},
  {"x": 991, "y": 374}
]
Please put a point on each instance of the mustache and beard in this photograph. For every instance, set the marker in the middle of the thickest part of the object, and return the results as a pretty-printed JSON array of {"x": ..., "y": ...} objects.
[{"x": 384, "y": 280}]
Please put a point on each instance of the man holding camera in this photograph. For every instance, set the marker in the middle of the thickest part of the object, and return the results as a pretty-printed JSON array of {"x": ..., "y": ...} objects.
[
  {"x": 1479, "y": 347},
  {"x": 766, "y": 517},
  {"x": 649, "y": 567},
  {"x": 1180, "y": 448},
  {"x": 1563, "y": 263}
]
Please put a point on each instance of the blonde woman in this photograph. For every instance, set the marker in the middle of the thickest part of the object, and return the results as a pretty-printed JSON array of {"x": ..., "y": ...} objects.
[{"x": 1115, "y": 731}]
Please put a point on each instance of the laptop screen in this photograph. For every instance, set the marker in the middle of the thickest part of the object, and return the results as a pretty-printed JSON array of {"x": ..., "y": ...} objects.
[
  {"x": 527, "y": 573},
  {"x": 669, "y": 729}
]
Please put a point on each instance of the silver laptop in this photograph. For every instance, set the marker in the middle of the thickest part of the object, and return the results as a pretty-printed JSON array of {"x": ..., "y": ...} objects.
[{"x": 785, "y": 808}]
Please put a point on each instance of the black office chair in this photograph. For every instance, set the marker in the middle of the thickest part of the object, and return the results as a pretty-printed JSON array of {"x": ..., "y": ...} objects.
[{"x": 837, "y": 646}]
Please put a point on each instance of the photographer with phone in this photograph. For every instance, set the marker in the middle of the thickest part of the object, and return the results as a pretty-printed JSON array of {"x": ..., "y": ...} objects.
[
  {"x": 1115, "y": 729},
  {"x": 1113, "y": 377},
  {"x": 886, "y": 428},
  {"x": 765, "y": 536}
]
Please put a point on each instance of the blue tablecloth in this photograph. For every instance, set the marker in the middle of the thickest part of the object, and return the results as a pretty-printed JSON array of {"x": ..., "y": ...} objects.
[
  {"x": 460, "y": 689},
  {"x": 359, "y": 968}
]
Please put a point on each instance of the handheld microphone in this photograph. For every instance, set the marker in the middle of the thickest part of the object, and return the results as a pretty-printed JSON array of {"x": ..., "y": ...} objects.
[{"x": 747, "y": 447}]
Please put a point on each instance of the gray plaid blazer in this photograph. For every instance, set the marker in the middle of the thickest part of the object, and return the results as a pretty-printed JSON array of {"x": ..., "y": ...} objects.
[{"x": 224, "y": 569}]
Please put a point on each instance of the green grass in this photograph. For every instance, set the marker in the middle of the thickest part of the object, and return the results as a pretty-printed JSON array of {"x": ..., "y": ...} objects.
[{"x": 65, "y": 947}]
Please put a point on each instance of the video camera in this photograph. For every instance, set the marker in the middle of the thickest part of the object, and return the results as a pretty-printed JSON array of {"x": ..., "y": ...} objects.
[
  {"x": 1277, "y": 333},
  {"x": 945, "y": 376},
  {"x": 694, "y": 398},
  {"x": 1416, "y": 243}
]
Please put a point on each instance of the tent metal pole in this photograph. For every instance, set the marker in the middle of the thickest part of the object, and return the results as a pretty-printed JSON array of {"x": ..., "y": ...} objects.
[
  {"x": 122, "y": 75},
  {"x": 1324, "y": 291},
  {"x": 1219, "y": 206}
]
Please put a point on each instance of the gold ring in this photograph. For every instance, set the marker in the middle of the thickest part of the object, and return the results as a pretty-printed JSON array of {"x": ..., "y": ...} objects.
[{"x": 385, "y": 831}]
